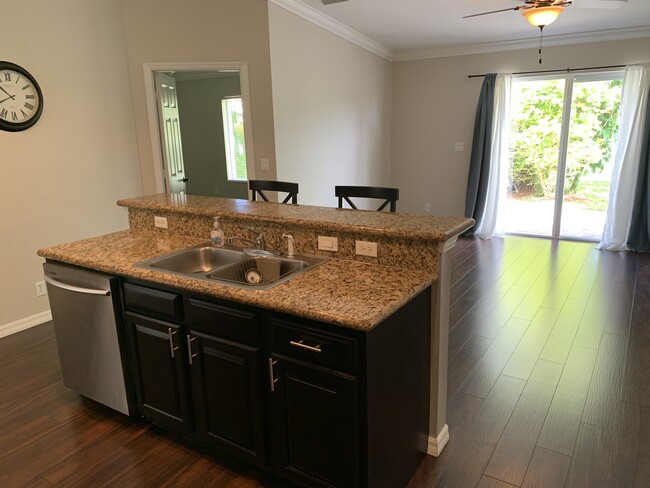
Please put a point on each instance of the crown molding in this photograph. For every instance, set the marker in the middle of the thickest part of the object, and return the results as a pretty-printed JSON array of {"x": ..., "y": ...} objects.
[
  {"x": 489, "y": 47},
  {"x": 319, "y": 18}
]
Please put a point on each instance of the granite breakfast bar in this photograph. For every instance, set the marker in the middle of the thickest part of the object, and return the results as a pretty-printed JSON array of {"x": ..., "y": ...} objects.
[{"x": 350, "y": 291}]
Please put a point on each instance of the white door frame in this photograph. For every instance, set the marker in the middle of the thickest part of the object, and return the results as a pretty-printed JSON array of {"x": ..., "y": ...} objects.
[{"x": 150, "y": 94}]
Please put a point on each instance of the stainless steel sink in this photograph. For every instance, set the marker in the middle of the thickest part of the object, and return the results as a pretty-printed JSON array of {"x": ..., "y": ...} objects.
[
  {"x": 196, "y": 260},
  {"x": 233, "y": 267}
]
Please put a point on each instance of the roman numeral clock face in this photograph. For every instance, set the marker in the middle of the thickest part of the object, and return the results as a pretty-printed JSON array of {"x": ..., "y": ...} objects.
[{"x": 21, "y": 99}]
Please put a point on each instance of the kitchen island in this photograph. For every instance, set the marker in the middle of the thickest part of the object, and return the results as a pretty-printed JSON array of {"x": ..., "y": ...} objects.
[{"x": 359, "y": 294}]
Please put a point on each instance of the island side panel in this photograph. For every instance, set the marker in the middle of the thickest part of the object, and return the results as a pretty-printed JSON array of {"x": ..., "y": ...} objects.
[
  {"x": 397, "y": 369},
  {"x": 438, "y": 430}
]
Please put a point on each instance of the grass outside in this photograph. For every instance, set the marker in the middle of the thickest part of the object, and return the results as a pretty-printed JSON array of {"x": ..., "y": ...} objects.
[{"x": 590, "y": 195}]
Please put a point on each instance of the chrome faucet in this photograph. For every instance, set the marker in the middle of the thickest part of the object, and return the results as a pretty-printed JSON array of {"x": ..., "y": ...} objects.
[{"x": 259, "y": 242}]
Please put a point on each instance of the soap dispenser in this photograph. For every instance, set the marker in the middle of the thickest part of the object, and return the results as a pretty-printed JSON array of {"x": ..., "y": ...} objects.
[{"x": 216, "y": 235}]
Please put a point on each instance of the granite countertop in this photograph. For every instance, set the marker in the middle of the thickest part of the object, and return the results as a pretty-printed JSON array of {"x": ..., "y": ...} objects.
[
  {"x": 401, "y": 225},
  {"x": 346, "y": 293}
]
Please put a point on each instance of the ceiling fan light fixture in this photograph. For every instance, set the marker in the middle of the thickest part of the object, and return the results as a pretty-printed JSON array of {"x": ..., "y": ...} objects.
[{"x": 542, "y": 16}]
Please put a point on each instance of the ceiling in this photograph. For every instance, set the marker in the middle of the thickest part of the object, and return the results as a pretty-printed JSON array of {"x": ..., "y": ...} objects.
[{"x": 402, "y": 26}]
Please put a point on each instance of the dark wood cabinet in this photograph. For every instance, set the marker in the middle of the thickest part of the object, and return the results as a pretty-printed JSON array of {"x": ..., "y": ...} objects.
[
  {"x": 159, "y": 371},
  {"x": 316, "y": 414},
  {"x": 321, "y": 405},
  {"x": 228, "y": 396}
]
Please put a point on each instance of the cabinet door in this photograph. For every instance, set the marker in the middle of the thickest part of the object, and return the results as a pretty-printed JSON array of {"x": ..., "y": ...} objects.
[
  {"x": 316, "y": 418},
  {"x": 228, "y": 399},
  {"x": 159, "y": 372}
]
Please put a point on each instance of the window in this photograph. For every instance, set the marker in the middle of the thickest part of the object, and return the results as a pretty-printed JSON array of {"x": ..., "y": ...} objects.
[
  {"x": 563, "y": 136},
  {"x": 233, "y": 135}
]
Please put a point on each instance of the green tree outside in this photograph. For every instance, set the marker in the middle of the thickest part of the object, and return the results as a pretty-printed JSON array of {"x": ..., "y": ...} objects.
[{"x": 535, "y": 134}]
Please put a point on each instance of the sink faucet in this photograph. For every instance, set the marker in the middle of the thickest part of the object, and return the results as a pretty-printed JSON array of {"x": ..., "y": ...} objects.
[{"x": 258, "y": 242}]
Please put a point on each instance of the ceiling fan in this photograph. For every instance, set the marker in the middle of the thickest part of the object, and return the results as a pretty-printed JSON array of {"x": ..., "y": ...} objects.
[
  {"x": 541, "y": 13},
  {"x": 537, "y": 11}
]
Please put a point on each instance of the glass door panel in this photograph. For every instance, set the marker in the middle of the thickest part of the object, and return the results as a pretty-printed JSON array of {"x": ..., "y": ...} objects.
[
  {"x": 590, "y": 157},
  {"x": 562, "y": 146},
  {"x": 536, "y": 129}
]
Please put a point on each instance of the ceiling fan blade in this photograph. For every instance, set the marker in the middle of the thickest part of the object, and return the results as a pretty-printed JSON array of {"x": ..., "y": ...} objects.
[
  {"x": 492, "y": 12},
  {"x": 608, "y": 4}
]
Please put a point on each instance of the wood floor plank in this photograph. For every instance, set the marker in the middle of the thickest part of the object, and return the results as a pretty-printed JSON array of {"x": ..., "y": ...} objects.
[
  {"x": 631, "y": 456},
  {"x": 492, "y": 324},
  {"x": 487, "y": 482},
  {"x": 488, "y": 368},
  {"x": 546, "y": 469},
  {"x": 592, "y": 460},
  {"x": 565, "y": 413},
  {"x": 560, "y": 340},
  {"x": 462, "y": 330},
  {"x": 606, "y": 389},
  {"x": 637, "y": 372},
  {"x": 464, "y": 362},
  {"x": 515, "y": 448},
  {"x": 474, "y": 446},
  {"x": 523, "y": 359}
]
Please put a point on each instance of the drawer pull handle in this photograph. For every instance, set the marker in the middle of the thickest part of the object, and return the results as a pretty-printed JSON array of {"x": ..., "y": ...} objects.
[
  {"x": 171, "y": 334},
  {"x": 272, "y": 379},
  {"x": 302, "y": 345},
  {"x": 190, "y": 355}
]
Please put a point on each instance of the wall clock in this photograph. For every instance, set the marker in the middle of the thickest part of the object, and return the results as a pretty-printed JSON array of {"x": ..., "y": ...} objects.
[{"x": 21, "y": 99}]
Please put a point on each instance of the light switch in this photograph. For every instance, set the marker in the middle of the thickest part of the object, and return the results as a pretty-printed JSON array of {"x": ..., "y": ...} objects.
[
  {"x": 459, "y": 147},
  {"x": 265, "y": 164}
]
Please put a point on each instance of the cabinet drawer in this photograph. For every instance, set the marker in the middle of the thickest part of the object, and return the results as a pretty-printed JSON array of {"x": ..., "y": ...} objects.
[
  {"x": 154, "y": 302},
  {"x": 224, "y": 321},
  {"x": 314, "y": 345}
]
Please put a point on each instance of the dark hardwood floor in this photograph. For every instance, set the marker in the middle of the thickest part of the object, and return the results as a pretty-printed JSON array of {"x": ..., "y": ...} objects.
[{"x": 549, "y": 386}]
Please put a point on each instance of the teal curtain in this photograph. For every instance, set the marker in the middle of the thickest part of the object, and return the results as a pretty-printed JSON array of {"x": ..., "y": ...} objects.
[
  {"x": 479, "y": 165},
  {"x": 638, "y": 238}
]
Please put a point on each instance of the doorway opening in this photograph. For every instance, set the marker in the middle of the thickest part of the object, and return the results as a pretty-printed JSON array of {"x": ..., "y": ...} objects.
[{"x": 562, "y": 144}]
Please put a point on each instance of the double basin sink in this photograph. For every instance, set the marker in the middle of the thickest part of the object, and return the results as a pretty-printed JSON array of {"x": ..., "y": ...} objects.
[{"x": 249, "y": 269}]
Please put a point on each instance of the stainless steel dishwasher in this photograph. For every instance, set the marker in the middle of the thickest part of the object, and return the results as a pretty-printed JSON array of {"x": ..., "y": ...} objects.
[{"x": 84, "y": 305}]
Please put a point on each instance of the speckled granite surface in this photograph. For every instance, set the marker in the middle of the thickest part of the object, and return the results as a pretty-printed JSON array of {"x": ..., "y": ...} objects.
[
  {"x": 392, "y": 225},
  {"x": 346, "y": 293}
]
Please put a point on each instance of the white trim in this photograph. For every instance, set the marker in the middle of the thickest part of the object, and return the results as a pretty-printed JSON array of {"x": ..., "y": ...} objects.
[
  {"x": 435, "y": 445},
  {"x": 24, "y": 324},
  {"x": 334, "y": 26},
  {"x": 152, "y": 112},
  {"x": 533, "y": 42}
]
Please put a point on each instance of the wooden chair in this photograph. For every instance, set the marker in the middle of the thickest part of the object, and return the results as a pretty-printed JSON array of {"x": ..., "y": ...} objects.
[
  {"x": 260, "y": 186},
  {"x": 389, "y": 195}
]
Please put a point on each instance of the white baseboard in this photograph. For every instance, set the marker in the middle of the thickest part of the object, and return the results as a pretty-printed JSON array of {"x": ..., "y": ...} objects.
[
  {"x": 26, "y": 323},
  {"x": 436, "y": 444}
]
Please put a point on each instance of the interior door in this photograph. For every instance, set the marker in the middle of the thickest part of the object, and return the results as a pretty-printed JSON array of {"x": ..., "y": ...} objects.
[{"x": 170, "y": 128}]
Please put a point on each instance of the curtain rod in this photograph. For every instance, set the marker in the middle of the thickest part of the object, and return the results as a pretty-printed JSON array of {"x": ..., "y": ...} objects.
[{"x": 567, "y": 70}]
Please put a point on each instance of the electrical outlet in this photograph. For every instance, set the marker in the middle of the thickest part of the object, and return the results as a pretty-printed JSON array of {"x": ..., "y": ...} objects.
[
  {"x": 427, "y": 207},
  {"x": 365, "y": 248},
  {"x": 41, "y": 289},
  {"x": 328, "y": 243},
  {"x": 160, "y": 222},
  {"x": 265, "y": 164}
]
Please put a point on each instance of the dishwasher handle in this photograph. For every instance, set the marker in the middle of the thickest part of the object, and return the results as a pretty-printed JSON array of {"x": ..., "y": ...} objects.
[{"x": 77, "y": 289}]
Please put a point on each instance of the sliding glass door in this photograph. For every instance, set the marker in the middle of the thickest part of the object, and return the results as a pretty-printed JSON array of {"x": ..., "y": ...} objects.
[{"x": 563, "y": 136}]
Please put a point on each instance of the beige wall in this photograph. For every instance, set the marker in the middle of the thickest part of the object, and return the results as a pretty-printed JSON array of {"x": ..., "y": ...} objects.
[
  {"x": 434, "y": 104},
  {"x": 332, "y": 106},
  {"x": 168, "y": 31},
  {"x": 63, "y": 175}
]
